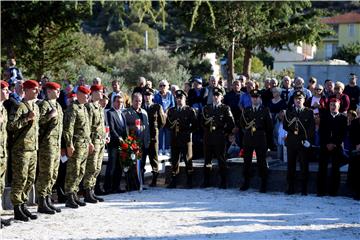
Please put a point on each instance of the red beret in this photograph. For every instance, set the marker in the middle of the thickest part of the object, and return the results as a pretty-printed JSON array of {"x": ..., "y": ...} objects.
[
  {"x": 335, "y": 100},
  {"x": 30, "y": 84},
  {"x": 4, "y": 84},
  {"x": 52, "y": 85},
  {"x": 96, "y": 87},
  {"x": 84, "y": 90},
  {"x": 71, "y": 94}
]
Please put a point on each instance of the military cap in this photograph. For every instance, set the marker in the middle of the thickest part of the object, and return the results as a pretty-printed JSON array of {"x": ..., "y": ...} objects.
[
  {"x": 255, "y": 93},
  {"x": 84, "y": 90},
  {"x": 217, "y": 91},
  {"x": 4, "y": 84},
  {"x": 198, "y": 79},
  {"x": 148, "y": 91},
  {"x": 299, "y": 94},
  {"x": 180, "y": 93},
  {"x": 335, "y": 100},
  {"x": 96, "y": 87},
  {"x": 53, "y": 85},
  {"x": 30, "y": 84},
  {"x": 71, "y": 94}
]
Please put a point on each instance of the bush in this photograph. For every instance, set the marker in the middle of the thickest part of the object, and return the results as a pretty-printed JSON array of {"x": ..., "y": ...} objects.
[{"x": 348, "y": 52}]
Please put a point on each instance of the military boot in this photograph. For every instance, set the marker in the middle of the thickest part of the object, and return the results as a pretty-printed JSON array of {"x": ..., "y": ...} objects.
[
  {"x": 223, "y": 183},
  {"x": 70, "y": 202},
  {"x": 19, "y": 215},
  {"x": 189, "y": 181},
  {"x": 206, "y": 182},
  {"x": 50, "y": 205},
  {"x": 263, "y": 186},
  {"x": 78, "y": 201},
  {"x": 96, "y": 197},
  {"x": 5, "y": 222},
  {"x": 89, "y": 198},
  {"x": 291, "y": 189},
  {"x": 173, "y": 182},
  {"x": 154, "y": 179},
  {"x": 26, "y": 211},
  {"x": 43, "y": 207},
  {"x": 245, "y": 185}
]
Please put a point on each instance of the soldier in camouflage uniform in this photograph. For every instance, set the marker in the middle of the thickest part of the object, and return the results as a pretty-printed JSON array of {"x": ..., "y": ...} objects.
[
  {"x": 4, "y": 95},
  {"x": 78, "y": 145},
  {"x": 51, "y": 125},
  {"x": 156, "y": 121},
  {"x": 98, "y": 135},
  {"x": 25, "y": 126},
  {"x": 182, "y": 122},
  {"x": 217, "y": 121}
]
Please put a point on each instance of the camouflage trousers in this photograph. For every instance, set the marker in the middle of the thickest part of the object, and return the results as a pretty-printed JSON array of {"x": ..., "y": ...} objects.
[
  {"x": 3, "y": 163},
  {"x": 93, "y": 165},
  {"x": 75, "y": 168},
  {"x": 23, "y": 174},
  {"x": 48, "y": 165}
]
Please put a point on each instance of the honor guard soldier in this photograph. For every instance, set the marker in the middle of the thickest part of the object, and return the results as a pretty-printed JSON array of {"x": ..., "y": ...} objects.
[
  {"x": 332, "y": 129},
  {"x": 24, "y": 124},
  {"x": 4, "y": 95},
  {"x": 78, "y": 145},
  {"x": 257, "y": 124},
  {"x": 300, "y": 125},
  {"x": 182, "y": 122},
  {"x": 157, "y": 120},
  {"x": 218, "y": 122},
  {"x": 51, "y": 126},
  {"x": 98, "y": 138}
]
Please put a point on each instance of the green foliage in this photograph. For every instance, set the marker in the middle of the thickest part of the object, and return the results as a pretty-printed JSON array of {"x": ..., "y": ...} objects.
[
  {"x": 266, "y": 58},
  {"x": 195, "y": 65},
  {"x": 348, "y": 52},
  {"x": 132, "y": 38},
  {"x": 154, "y": 65},
  {"x": 257, "y": 65}
]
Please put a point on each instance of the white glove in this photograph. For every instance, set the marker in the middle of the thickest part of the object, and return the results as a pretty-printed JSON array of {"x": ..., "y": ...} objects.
[
  {"x": 306, "y": 144},
  {"x": 63, "y": 158}
]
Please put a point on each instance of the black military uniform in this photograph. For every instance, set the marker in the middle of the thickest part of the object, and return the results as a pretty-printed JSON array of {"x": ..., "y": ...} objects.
[
  {"x": 300, "y": 126},
  {"x": 257, "y": 124},
  {"x": 355, "y": 158},
  {"x": 156, "y": 121},
  {"x": 217, "y": 122},
  {"x": 332, "y": 131},
  {"x": 182, "y": 122}
]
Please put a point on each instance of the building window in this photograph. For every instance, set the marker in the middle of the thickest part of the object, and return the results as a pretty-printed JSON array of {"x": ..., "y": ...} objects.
[
  {"x": 328, "y": 50},
  {"x": 351, "y": 30},
  {"x": 336, "y": 29}
]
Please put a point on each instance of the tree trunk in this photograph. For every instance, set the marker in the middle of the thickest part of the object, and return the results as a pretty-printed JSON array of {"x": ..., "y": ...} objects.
[
  {"x": 231, "y": 74},
  {"x": 247, "y": 62}
]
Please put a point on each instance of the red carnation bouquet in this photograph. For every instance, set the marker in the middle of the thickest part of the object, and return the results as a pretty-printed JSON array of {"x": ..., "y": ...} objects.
[{"x": 129, "y": 152}]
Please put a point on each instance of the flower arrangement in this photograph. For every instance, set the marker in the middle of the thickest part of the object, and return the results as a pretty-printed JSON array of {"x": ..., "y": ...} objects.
[{"x": 129, "y": 152}]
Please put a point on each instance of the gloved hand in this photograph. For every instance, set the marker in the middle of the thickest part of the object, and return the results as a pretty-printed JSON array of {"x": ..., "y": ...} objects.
[{"x": 306, "y": 143}]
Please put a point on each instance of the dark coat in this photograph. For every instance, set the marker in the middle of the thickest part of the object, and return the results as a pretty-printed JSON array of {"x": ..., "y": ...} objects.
[
  {"x": 118, "y": 129},
  {"x": 332, "y": 129}
]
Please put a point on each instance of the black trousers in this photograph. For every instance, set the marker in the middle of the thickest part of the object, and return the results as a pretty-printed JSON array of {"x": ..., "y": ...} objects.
[
  {"x": 301, "y": 153},
  {"x": 179, "y": 153},
  {"x": 260, "y": 150},
  {"x": 335, "y": 157},
  {"x": 217, "y": 150},
  {"x": 153, "y": 152}
]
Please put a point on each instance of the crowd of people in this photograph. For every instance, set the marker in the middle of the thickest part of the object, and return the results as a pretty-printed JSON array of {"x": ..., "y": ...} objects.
[{"x": 54, "y": 137}]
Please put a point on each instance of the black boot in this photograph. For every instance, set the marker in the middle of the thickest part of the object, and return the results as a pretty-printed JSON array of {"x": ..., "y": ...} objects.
[
  {"x": 5, "y": 222},
  {"x": 70, "y": 202},
  {"x": 245, "y": 185},
  {"x": 51, "y": 205},
  {"x": 89, "y": 198},
  {"x": 78, "y": 201},
  {"x": 189, "y": 181},
  {"x": 304, "y": 191},
  {"x": 172, "y": 183},
  {"x": 223, "y": 181},
  {"x": 291, "y": 189},
  {"x": 61, "y": 197},
  {"x": 96, "y": 197},
  {"x": 19, "y": 214},
  {"x": 154, "y": 179},
  {"x": 206, "y": 182},
  {"x": 263, "y": 186},
  {"x": 43, "y": 207},
  {"x": 26, "y": 211}
]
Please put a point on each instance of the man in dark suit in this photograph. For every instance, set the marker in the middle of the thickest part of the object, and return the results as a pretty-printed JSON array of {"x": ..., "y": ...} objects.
[
  {"x": 156, "y": 121},
  {"x": 217, "y": 121},
  {"x": 118, "y": 133},
  {"x": 257, "y": 125},
  {"x": 332, "y": 133},
  {"x": 300, "y": 125}
]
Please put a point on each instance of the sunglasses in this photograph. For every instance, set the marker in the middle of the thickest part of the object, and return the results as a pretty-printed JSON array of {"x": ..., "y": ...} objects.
[
  {"x": 318, "y": 89},
  {"x": 162, "y": 85}
]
